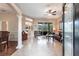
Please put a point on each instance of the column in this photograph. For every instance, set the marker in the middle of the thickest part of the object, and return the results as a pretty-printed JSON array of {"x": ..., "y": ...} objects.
[{"x": 19, "y": 46}]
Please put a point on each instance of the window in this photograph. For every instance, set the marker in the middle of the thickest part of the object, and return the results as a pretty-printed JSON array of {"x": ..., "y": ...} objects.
[{"x": 43, "y": 26}]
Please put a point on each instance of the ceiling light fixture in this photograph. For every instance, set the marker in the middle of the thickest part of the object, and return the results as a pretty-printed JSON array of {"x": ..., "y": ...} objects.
[
  {"x": 29, "y": 19},
  {"x": 28, "y": 23}
]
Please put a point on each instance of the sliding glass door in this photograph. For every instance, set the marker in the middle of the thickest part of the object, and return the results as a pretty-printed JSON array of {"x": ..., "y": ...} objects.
[{"x": 45, "y": 27}]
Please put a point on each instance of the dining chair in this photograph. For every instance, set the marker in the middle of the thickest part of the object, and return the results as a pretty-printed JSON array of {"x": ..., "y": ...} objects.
[{"x": 4, "y": 37}]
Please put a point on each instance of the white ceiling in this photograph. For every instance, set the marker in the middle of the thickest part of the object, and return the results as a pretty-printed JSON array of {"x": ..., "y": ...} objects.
[
  {"x": 6, "y": 8},
  {"x": 34, "y": 10},
  {"x": 38, "y": 10}
]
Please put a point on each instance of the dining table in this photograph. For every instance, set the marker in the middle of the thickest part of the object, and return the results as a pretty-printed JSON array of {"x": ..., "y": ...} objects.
[{"x": 50, "y": 35}]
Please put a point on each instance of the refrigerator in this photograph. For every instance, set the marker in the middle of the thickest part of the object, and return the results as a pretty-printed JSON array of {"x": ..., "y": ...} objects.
[
  {"x": 76, "y": 29},
  {"x": 71, "y": 29},
  {"x": 68, "y": 29}
]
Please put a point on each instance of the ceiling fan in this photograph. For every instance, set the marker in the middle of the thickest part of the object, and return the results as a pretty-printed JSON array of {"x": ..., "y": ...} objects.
[{"x": 51, "y": 12}]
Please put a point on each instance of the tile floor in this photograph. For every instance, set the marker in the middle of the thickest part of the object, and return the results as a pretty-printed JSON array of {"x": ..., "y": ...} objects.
[{"x": 40, "y": 47}]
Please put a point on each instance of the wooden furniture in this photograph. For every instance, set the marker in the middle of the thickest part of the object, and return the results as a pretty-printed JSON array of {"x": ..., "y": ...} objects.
[
  {"x": 4, "y": 36},
  {"x": 24, "y": 36},
  {"x": 58, "y": 36}
]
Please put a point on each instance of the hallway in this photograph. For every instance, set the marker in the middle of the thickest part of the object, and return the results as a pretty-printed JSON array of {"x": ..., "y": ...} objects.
[{"x": 40, "y": 47}]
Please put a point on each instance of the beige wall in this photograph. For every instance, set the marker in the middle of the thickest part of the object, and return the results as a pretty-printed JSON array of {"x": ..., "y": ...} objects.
[
  {"x": 12, "y": 25},
  {"x": 4, "y": 25}
]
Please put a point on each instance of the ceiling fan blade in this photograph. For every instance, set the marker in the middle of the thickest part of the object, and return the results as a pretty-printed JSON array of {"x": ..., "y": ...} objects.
[{"x": 54, "y": 12}]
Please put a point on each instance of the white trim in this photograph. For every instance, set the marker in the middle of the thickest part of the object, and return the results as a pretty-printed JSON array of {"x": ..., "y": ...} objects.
[
  {"x": 18, "y": 10},
  {"x": 20, "y": 45}
]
